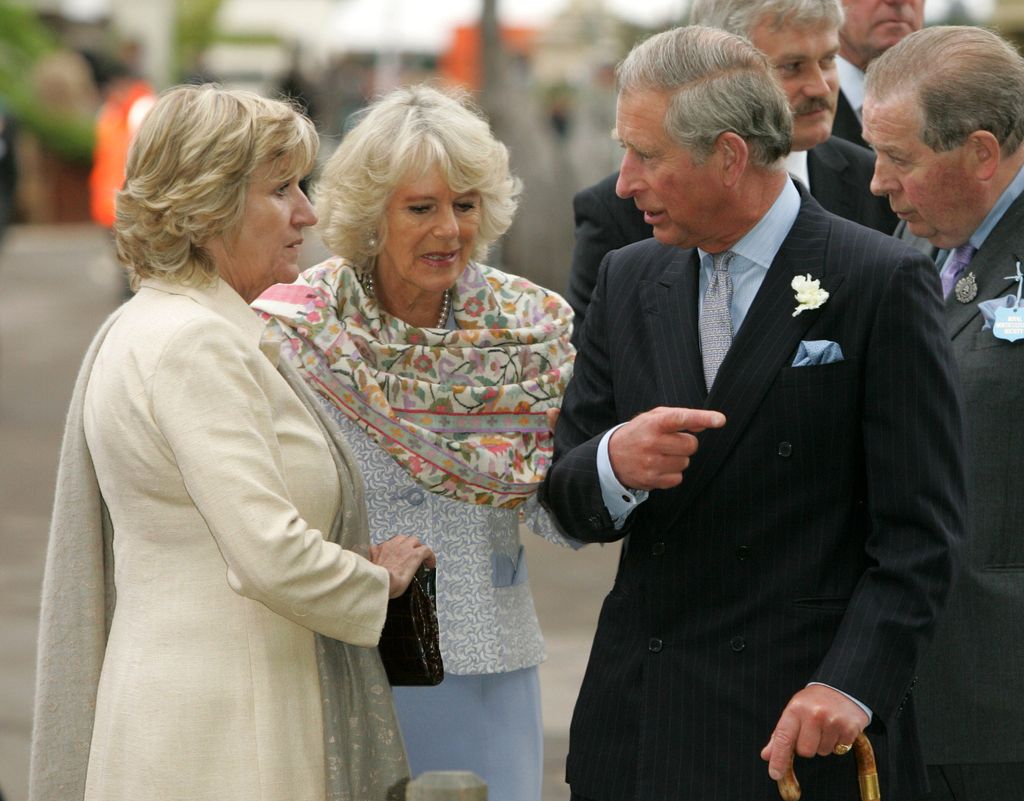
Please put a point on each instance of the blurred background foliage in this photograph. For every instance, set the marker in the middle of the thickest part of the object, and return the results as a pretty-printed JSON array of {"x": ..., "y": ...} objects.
[{"x": 24, "y": 42}]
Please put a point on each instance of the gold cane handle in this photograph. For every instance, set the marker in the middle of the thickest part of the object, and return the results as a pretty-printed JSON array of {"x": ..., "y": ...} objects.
[{"x": 867, "y": 774}]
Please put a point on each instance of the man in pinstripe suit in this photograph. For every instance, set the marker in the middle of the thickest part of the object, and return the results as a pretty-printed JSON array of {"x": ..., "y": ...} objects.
[{"x": 782, "y": 578}]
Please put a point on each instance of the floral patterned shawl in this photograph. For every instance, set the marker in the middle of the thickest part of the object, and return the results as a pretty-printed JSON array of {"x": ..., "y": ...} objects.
[{"x": 463, "y": 410}]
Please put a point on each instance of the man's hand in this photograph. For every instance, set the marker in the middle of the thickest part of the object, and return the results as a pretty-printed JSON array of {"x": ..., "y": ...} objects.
[
  {"x": 653, "y": 449},
  {"x": 813, "y": 722}
]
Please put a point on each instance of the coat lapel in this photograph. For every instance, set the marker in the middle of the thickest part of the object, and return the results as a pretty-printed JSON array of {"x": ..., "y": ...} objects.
[
  {"x": 670, "y": 314},
  {"x": 826, "y": 170},
  {"x": 769, "y": 337},
  {"x": 991, "y": 265}
]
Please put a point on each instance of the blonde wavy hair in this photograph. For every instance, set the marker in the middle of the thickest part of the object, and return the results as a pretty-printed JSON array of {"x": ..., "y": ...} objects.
[
  {"x": 397, "y": 139},
  {"x": 188, "y": 174}
]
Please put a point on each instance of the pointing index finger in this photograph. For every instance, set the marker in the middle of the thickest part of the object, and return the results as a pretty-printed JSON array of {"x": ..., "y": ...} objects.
[{"x": 694, "y": 420}]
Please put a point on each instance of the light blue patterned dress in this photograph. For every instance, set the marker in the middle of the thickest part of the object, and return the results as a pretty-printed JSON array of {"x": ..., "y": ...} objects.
[{"x": 485, "y": 716}]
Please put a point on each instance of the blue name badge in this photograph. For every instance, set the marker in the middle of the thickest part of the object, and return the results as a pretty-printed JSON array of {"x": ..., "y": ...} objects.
[{"x": 1009, "y": 323}]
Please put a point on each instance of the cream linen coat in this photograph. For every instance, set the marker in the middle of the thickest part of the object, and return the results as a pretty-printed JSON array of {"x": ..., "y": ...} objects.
[{"x": 218, "y": 484}]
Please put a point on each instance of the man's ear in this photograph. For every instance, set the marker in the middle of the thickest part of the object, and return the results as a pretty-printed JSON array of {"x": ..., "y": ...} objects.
[
  {"x": 732, "y": 154},
  {"x": 982, "y": 154}
]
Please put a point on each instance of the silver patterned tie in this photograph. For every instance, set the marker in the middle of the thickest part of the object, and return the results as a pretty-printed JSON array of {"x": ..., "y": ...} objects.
[{"x": 715, "y": 319}]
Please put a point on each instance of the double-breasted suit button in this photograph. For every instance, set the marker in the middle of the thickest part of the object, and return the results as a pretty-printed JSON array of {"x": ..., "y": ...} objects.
[
  {"x": 737, "y": 644},
  {"x": 658, "y": 549},
  {"x": 594, "y": 521},
  {"x": 743, "y": 552},
  {"x": 654, "y": 645},
  {"x": 785, "y": 449}
]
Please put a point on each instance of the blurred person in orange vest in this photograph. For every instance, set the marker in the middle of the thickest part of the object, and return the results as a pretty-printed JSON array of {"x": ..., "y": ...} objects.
[{"x": 126, "y": 99}]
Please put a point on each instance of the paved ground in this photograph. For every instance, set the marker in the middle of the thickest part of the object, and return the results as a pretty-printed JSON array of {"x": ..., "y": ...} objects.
[{"x": 56, "y": 286}]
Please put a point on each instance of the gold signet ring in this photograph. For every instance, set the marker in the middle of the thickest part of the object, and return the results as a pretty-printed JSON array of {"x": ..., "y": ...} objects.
[{"x": 840, "y": 749}]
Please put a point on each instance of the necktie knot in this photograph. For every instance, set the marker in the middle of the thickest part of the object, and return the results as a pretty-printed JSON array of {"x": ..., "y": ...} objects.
[{"x": 956, "y": 263}]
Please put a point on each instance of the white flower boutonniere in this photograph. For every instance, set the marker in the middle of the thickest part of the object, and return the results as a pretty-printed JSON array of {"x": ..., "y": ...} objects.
[{"x": 809, "y": 294}]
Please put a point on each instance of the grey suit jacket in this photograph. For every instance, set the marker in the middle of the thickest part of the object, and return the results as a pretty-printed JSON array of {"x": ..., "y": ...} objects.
[{"x": 970, "y": 695}]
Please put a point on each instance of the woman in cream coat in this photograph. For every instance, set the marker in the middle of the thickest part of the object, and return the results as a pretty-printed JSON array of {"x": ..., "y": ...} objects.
[{"x": 203, "y": 577}]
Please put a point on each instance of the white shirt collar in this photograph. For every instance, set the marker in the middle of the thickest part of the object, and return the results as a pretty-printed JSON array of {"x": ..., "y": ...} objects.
[
  {"x": 796, "y": 165},
  {"x": 851, "y": 84}
]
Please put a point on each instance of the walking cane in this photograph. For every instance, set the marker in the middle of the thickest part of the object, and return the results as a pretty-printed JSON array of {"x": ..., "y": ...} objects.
[{"x": 867, "y": 774}]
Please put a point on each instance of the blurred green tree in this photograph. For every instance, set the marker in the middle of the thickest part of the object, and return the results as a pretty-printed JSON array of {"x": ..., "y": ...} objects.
[{"x": 24, "y": 41}]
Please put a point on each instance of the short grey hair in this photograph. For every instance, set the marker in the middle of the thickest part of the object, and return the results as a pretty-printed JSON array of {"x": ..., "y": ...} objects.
[
  {"x": 718, "y": 82},
  {"x": 741, "y": 16},
  {"x": 963, "y": 78},
  {"x": 398, "y": 138}
]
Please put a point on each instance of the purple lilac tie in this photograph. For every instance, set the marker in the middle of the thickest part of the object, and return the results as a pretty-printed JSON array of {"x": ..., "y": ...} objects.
[{"x": 955, "y": 265}]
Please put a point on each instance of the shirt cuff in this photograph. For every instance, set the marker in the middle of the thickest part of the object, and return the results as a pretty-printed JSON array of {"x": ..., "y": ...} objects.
[
  {"x": 866, "y": 710},
  {"x": 620, "y": 501}
]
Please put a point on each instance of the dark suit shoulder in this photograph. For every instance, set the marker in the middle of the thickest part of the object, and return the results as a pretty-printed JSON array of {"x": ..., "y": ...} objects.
[
  {"x": 646, "y": 260},
  {"x": 849, "y": 244},
  {"x": 621, "y": 220},
  {"x": 841, "y": 173},
  {"x": 846, "y": 125},
  {"x": 604, "y": 222},
  {"x": 836, "y": 147}
]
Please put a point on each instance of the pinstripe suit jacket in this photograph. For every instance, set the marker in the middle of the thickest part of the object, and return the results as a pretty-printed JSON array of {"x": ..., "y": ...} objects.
[
  {"x": 813, "y": 538},
  {"x": 972, "y": 687}
]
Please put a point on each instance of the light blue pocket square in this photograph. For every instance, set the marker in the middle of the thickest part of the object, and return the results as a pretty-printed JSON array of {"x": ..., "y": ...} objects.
[{"x": 817, "y": 351}]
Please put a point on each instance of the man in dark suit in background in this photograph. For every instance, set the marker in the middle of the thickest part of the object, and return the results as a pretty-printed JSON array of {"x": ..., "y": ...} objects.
[
  {"x": 781, "y": 581},
  {"x": 945, "y": 111},
  {"x": 871, "y": 28},
  {"x": 801, "y": 39}
]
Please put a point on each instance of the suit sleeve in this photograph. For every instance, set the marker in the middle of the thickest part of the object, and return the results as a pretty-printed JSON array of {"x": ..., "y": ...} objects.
[
  {"x": 572, "y": 489},
  {"x": 912, "y": 431},
  {"x": 208, "y": 403}
]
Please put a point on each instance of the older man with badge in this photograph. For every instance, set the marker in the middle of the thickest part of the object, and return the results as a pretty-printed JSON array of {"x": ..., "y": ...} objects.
[{"x": 944, "y": 110}]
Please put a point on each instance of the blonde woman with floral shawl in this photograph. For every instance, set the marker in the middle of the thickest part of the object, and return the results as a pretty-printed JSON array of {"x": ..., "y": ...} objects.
[{"x": 440, "y": 372}]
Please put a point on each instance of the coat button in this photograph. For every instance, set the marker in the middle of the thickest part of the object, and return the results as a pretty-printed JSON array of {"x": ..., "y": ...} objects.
[
  {"x": 743, "y": 553},
  {"x": 594, "y": 521},
  {"x": 658, "y": 549},
  {"x": 737, "y": 644},
  {"x": 655, "y": 645},
  {"x": 785, "y": 449}
]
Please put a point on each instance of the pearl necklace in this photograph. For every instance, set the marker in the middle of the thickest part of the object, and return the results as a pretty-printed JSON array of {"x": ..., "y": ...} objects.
[{"x": 366, "y": 281}]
